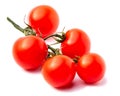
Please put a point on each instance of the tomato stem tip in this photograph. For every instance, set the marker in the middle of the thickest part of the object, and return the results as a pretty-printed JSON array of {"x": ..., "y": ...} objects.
[
  {"x": 15, "y": 25},
  {"x": 27, "y": 31}
]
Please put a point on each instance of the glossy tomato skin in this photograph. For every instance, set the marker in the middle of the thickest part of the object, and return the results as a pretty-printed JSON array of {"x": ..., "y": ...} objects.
[
  {"x": 91, "y": 68},
  {"x": 30, "y": 52},
  {"x": 59, "y": 71},
  {"x": 44, "y": 20},
  {"x": 76, "y": 43}
]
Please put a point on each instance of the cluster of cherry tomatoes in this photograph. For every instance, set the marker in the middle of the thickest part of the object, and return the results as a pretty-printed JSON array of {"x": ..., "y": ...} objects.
[{"x": 58, "y": 65}]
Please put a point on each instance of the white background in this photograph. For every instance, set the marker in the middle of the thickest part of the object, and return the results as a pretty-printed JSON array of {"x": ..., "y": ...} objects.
[{"x": 100, "y": 19}]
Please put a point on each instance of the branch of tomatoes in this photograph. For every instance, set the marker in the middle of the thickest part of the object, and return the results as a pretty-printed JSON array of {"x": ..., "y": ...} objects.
[{"x": 58, "y": 70}]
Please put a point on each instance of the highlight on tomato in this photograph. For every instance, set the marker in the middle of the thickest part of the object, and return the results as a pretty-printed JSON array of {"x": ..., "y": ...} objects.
[
  {"x": 44, "y": 20},
  {"x": 30, "y": 52},
  {"x": 91, "y": 68},
  {"x": 59, "y": 71}
]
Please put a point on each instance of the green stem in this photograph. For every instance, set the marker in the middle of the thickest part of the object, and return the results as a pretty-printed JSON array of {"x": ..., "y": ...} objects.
[
  {"x": 76, "y": 59},
  {"x": 27, "y": 31},
  {"x": 54, "y": 35},
  {"x": 54, "y": 51},
  {"x": 15, "y": 25},
  {"x": 57, "y": 37}
]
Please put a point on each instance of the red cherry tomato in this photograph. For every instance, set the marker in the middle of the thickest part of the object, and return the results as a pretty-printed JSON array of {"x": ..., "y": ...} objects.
[
  {"x": 91, "y": 68},
  {"x": 30, "y": 52},
  {"x": 59, "y": 71},
  {"x": 44, "y": 20},
  {"x": 76, "y": 43}
]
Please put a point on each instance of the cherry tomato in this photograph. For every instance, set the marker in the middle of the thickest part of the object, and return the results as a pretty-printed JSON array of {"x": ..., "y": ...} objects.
[
  {"x": 76, "y": 43},
  {"x": 44, "y": 20},
  {"x": 59, "y": 71},
  {"x": 91, "y": 68},
  {"x": 30, "y": 52}
]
